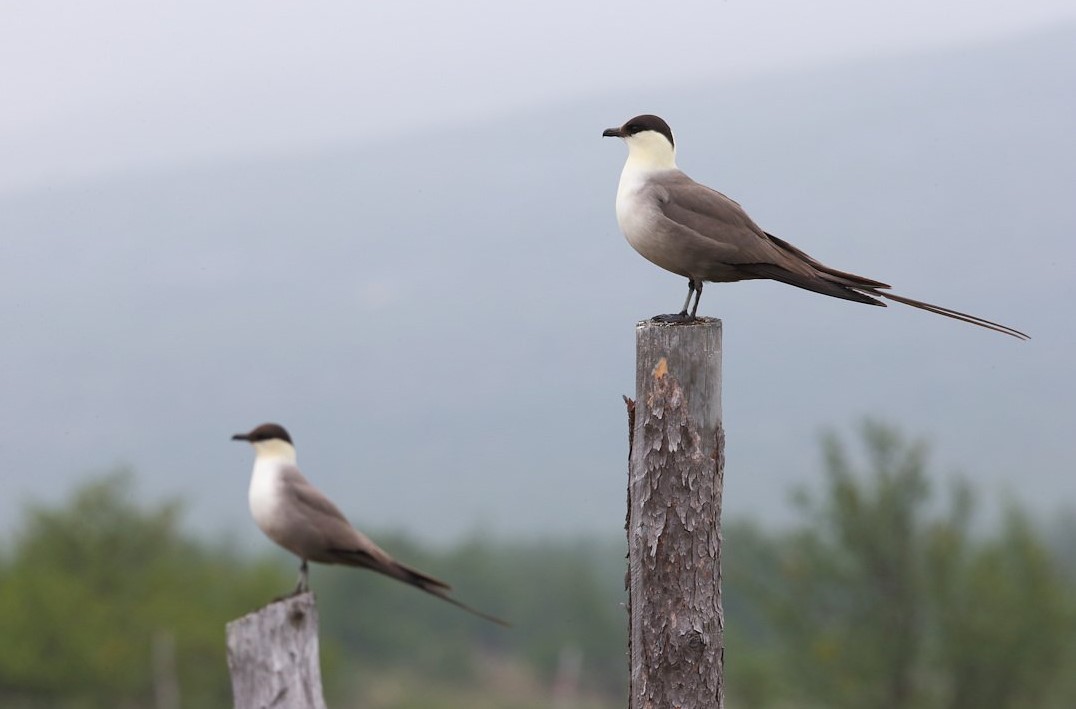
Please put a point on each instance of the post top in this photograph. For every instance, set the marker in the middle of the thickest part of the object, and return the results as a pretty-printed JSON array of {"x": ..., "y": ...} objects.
[{"x": 693, "y": 322}]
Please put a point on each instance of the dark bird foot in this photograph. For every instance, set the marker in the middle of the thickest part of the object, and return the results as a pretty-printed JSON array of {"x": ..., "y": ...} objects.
[
  {"x": 674, "y": 318},
  {"x": 301, "y": 587}
]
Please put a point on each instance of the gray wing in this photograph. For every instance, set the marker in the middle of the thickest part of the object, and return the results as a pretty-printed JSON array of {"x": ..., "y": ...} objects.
[
  {"x": 332, "y": 540},
  {"x": 738, "y": 249},
  {"x": 315, "y": 526},
  {"x": 311, "y": 500},
  {"x": 707, "y": 213}
]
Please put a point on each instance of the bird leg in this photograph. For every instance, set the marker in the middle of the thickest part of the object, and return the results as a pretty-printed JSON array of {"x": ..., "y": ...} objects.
[
  {"x": 690, "y": 292},
  {"x": 698, "y": 297},
  {"x": 693, "y": 287},
  {"x": 304, "y": 583}
]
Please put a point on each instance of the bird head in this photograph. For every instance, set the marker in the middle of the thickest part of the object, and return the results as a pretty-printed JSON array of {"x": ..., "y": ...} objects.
[
  {"x": 650, "y": 141},
  {"x": 269, "y": 440}
]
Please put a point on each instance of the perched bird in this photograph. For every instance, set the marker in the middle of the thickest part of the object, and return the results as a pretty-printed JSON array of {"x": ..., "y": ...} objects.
[
  {"x": 297, "y": 516},
  {"x": 701, "y": 234}
]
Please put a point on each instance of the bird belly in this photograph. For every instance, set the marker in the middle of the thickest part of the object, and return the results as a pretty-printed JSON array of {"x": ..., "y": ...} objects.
[
  {"x": 641, "y": 227},
  {"x": 264, "y": 498},
  {"x": 641, "y": 222}
]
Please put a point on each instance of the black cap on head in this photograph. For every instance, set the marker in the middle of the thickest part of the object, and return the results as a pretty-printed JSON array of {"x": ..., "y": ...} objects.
[
  {"x": 639, "y": 124},
  {"x": 265, "y": 432}
]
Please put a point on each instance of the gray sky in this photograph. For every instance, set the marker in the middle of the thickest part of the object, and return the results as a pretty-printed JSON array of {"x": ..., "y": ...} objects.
[
  {"x": 91, "y": 87},
  {"x": 176, "y": 282}
]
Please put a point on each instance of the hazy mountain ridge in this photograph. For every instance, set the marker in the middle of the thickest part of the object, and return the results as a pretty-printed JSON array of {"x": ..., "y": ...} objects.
[{"x": 445, "y": 322}]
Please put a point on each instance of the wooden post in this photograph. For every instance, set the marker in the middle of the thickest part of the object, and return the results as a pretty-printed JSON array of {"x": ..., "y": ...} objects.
[
  {"x": 675, "y": 475},
  {"x": 273, "y": 656}
]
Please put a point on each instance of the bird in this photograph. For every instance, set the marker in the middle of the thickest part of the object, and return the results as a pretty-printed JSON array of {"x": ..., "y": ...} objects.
[
  {"x": 697, "y": 232},
  {"x": 300, "y": 518}
]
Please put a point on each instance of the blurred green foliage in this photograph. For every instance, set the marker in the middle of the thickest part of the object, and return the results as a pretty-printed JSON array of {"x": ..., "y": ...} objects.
[
  {"x": 885, "y": 594},
  {"x": 888, "y": 595},
  {"x": 88, "y": 590}
]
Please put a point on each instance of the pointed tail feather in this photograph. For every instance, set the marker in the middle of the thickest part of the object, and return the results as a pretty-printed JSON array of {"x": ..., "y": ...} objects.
[
  {"x": 849, "y": 286},
  {"x": 390, "y": 567},
  {"x": 443, "y": 595},
  {"x": 955, "y": 314},
  {"x": 438, "y": 588}
]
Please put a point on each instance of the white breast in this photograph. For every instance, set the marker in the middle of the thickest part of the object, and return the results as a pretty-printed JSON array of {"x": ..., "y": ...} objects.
[
  {"x": 631, "y": 179},
  {"x": 264, "y": 493},
  {"x": 638, "y": 216}
]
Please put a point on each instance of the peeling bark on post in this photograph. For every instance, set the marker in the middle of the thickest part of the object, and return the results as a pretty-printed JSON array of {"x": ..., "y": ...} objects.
[
  {"x": 273, "y": 656},
  {"x": 675, "y": 476}
]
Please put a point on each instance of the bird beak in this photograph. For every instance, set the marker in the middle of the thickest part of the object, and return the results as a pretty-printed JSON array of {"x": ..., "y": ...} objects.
[
  {"x": 613, "y": 132},
  {"x": 241, "y": 437}
]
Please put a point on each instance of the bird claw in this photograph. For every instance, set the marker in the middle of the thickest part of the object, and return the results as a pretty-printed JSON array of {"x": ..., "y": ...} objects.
[{"x": 674, "y": 318}]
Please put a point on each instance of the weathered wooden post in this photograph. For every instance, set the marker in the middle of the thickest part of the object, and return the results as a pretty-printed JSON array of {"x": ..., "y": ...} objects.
[
  {"x": 273, "y": 656},
  {"x": 675, "y": 476}
]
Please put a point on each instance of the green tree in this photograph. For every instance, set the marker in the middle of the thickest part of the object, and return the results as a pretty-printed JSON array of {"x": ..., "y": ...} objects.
[
  {"x": 560, "y": 597},
  {"x": 91, "y": 587},
  {"x": 886, "y": 598},
  {"x": 1004, "y": 615}
]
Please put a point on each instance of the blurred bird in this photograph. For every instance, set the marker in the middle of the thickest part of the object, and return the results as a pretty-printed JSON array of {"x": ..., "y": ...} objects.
[
  {"x": 297, "y": 516},
  {"x": 701, "y": 234}
]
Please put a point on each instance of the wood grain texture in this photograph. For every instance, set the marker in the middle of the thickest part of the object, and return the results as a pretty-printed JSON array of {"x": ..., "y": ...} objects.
[
  {"x": 273, "y": 656},
  {"x": 675, "y": 481}
]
